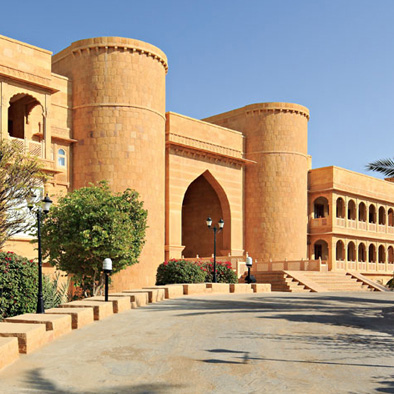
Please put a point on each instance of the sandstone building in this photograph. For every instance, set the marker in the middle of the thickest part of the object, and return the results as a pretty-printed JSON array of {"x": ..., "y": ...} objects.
[{"x": 96, "y": 111}]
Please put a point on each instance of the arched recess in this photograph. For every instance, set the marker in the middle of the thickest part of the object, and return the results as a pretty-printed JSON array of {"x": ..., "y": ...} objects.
[
  {"x": 382, "y": 216},
  {"x": 351, "y": 251},
  {"x": 361, "y": 253},
  {"x": 340, "y": 251},
  {"x": 362, "y": 212},
  {"x": 205, "y": 198},
  {"x": 372, "y": 214},
  {"x": 340, "y": 208},
  {"x": 351, "y": 210},
  {"x": 390, "y": 217},
  {"x": 371, "y": 253},
  {"x": 321, "y": 250},
  {"x": 320, "y": 208},
  {"x": 390, "y": 252},
  {"x": 381, "y": 254},
  {"x": 25, "y": 116}
]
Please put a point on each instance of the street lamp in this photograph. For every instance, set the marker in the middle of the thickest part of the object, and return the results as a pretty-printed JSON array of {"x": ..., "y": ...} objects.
[
  {"x": 215, "y": 230},
  {"x": 107, "y": 268},
  {"x": 47, "y": 202},
  {"x": 249, "y": 263}
]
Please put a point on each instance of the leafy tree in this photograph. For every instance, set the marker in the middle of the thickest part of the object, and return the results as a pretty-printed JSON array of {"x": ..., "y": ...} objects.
[
  {"x": 89, "y": 225},
  {"x": 20, "y": 173},
  {"x": 384, "y": 166}
]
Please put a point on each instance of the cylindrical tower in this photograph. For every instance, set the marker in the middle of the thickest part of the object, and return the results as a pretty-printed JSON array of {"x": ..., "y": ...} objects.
[
  {"x": 118, "y": 101},
  {"x": 276, "y": 186}
]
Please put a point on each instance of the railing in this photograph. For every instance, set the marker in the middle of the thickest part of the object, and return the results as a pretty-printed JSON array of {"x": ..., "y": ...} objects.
[
  {"x": 32, "y": 147},
  {"x": 382, "y": 228},
  {"x": 319, "y": 222},
  {"x": 362, "y": 225},
  {"x": 371, "y": 227},
  {"x": 341, "y": 222},
  {"x": 295, "y": 265},
  {"x": 352, "y": 223}
]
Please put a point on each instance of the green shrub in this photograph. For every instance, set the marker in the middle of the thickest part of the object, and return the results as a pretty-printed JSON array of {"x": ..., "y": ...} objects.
[
  {"x": 182, "y": 271},
  {"x": 179, "y": 271},
  {"x": 19, "y": 286},
  {"x": 224, "y": 272},
  {"x": 55, "y": 293}
]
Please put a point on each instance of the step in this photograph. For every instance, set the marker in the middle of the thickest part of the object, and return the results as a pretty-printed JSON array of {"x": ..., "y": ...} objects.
[
  {"x": 137, "y": 299},
  {"x": 80, "y": 317},
  {"x": 9, "y": 351},
  {"x": 30, "y": 336},
  {"x": 119, "y": 304},
  {"x": 58, "y": 324},
  {"x": 101, "y": 310}
]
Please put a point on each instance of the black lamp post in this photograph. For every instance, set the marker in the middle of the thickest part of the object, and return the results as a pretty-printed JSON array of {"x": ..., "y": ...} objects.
[
  {"x": 215, "y": 230},
  {"x": 45, "y": 209},
  {"x": 107, "y": 268},
  {"x": 249, "y": 263}
]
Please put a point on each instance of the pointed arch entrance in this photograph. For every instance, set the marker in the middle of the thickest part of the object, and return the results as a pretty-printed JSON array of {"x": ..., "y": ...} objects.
[{"x": 205, "y": 197}]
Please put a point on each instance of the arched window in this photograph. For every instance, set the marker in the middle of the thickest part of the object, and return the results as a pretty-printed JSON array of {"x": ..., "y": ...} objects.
[
  {"x": 321, "y": 250},
  {"x": 362, "y": 212},
  {"x": 340, "y": 251},
  {"x": 390, "y": 252},
  {"x": 372, "y": 214},
  {"x": 351, "y": 210},
  {"x": 371, "y": 254},
  {"x": 361, "y": 253},
  {"x": 382, "y": 215},
  {"x": 390, "y": 217},
  {"x": 320, "y": 208},
  {"x": 61, "y": 158},
  {"x": 340, "y": 208},
  {"x": 351, "y": 251},
  {"x": 381, "y": 254}
]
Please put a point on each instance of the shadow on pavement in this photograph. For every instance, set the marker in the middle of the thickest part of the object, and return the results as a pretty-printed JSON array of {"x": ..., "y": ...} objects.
[
  {"x": 353, "y": 311},
  {"x": 36, "y": 382}
]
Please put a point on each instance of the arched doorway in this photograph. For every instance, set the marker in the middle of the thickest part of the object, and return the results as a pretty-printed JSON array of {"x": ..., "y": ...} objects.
[
  {"x": 321, "y": 250},
  {"x": 205, "y": 198},
  {"x": 320, "y": 208}
]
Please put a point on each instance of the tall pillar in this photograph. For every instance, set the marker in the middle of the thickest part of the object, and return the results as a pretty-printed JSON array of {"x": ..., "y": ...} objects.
[{"x": 119, "y": 122}]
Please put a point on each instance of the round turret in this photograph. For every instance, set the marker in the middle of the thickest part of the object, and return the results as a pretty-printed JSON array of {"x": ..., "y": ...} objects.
[
  {"x": 276, "y": 185},
  {"x": 118, "y": 100}
]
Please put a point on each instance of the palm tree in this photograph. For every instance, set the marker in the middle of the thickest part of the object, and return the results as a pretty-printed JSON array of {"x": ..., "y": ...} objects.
[{"x": 384, "y": 166}]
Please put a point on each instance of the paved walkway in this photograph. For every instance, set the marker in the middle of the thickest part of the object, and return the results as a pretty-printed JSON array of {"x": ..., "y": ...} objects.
[{"x": 255, "y": 343}]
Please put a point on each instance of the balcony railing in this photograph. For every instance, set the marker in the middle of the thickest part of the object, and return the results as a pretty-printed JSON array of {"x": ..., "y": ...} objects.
[{"x": 33, "y": 147}]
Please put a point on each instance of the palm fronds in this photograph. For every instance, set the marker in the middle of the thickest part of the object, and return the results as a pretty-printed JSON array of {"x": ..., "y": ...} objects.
[{"x": 384, "y": 166}]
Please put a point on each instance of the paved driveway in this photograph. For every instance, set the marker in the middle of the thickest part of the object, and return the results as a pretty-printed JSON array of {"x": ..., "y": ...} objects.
[{"x": 269, "y": 343}]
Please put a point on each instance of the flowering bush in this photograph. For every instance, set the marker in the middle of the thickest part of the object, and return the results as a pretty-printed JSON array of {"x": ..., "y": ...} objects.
[
  {"x": 224, "y": 272},
  {"x": 19, "y": 286},
  {"x": 182, "y": 271},
  {"x": 179, "y": 271}
]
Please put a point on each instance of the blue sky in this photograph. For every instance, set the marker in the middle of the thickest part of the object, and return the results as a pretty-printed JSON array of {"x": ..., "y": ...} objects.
[{"x": 335, "y": 57}]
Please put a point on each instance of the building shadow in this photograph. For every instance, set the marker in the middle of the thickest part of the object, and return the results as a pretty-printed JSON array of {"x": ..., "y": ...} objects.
[{"x": 35, "y": 381}]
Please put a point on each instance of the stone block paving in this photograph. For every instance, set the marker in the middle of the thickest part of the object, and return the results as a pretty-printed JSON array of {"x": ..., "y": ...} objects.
[{"x": 221, "y": 343}]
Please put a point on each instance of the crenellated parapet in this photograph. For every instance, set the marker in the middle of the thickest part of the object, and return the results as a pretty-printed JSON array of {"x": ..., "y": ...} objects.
[{"x": 110, "y": 44}]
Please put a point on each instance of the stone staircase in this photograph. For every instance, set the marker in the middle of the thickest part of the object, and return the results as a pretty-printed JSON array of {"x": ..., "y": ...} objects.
[
  {"x": 312, "y": 281},
  {"x": 282, "y": 281}
]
